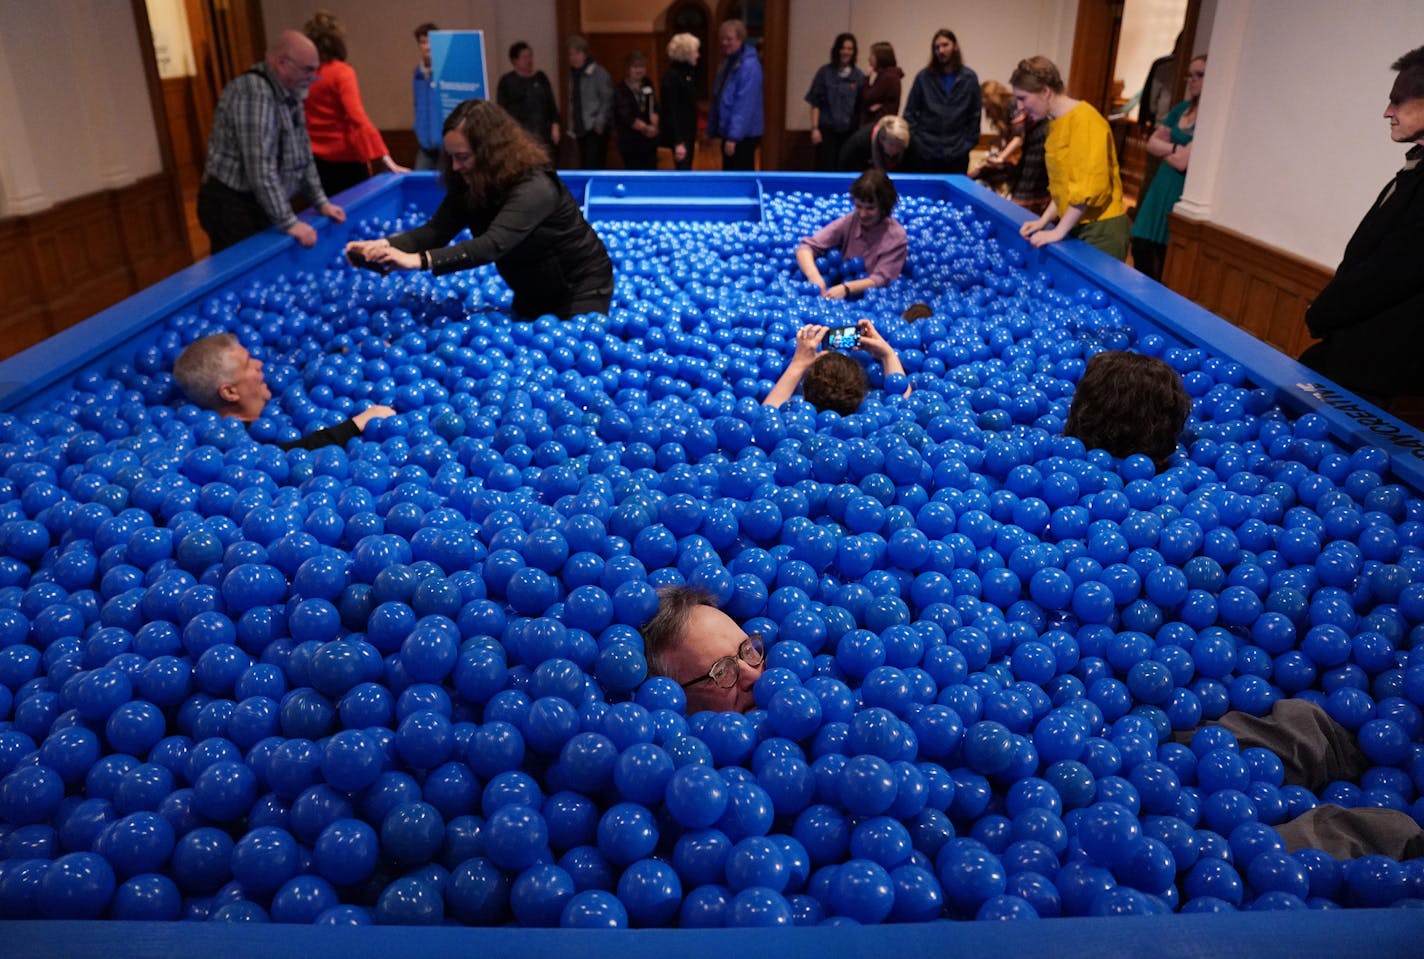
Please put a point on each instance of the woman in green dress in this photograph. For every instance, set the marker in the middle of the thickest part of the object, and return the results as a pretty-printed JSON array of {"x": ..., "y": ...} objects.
[{"x": 1171, "y": 141}]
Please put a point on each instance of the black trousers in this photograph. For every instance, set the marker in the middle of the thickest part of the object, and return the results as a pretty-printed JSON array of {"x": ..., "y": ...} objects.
[
  {"x": 338, "y": 176},
  {"x": 1150, "y": 258},
  {"x": 744, "y": 156},
  {"x": 228, "y": 216},
  {"x": 593, "y": 151},
  {"x": 957, "y": 164},
  {"x": 828, "y": 153}
]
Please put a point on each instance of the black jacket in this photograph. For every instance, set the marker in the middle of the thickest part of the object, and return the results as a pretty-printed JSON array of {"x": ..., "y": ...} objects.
[
  {"x": 535, "y": 236},
  {"x": 679, "y": 116},
  {"x": 1383, "y": 266}
]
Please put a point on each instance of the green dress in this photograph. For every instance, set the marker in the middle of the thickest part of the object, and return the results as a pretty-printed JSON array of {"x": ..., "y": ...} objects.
[{"x": 1166, "y": 188}]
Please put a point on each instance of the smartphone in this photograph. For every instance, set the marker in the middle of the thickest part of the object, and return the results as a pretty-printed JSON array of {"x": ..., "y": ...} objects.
[
  {"x": 843, "y": 337},
  {"x": 357, "y": 259}
]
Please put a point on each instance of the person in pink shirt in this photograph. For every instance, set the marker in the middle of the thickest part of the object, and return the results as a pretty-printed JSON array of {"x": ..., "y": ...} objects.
[{"x": 868, "y": 232}]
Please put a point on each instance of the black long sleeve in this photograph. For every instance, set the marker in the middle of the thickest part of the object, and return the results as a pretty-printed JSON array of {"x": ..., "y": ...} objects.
[
  {"x": 528, "y": 204},
  {"x": 331, "y": 436},
  {"x": 1383, "y": 265}
]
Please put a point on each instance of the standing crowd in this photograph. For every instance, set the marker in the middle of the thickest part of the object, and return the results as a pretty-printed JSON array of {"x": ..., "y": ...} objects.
[{"x": 294, "y": 124}]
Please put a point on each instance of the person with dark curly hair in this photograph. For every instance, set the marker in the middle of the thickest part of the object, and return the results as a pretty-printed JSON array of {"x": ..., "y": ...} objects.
[
  {"x": 868, "y": 232},
  {"x": 1128, "y": 403},
  {"x": 522, "y": 218},
  {"x": 694, "y": 643},
  {"x": 344, "y": 140},
  {"x": 832, "y": 380}
]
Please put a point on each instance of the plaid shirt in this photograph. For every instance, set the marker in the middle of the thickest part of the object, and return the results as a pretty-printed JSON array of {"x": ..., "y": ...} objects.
[{"x": 259, "y": 145}]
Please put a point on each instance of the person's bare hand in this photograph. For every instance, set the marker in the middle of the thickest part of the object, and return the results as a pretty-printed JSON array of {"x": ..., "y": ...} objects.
[
  {"x": 388, "y": 256},
  {"x": 679, "y": 152},
  {"x": 808, "y": 341},
  {"x": 365, "y": 249},
  {"x": 302, "y": 233},
  {"x": 837, "y": 292},
  {"x": 870, "y": 339},
  {"x": 1031, "y": 227},
  {"x": 375, "y": 412},
  {"x": 729, "y": 147},
  {"x": 332, "y": 212},
  {"x": 1045, "y": 237}
]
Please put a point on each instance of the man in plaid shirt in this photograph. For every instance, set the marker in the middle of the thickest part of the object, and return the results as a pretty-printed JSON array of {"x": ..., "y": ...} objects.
[{"x": 258, "y": 152}]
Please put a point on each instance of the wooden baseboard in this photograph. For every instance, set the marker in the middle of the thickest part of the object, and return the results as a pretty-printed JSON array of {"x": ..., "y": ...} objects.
[
  {"x": 65, "y": 264},
  {"x": 1262, "y": 289}
]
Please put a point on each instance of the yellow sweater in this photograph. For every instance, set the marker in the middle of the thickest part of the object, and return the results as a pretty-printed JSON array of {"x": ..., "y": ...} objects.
[{"x": 1082, "y": 165}]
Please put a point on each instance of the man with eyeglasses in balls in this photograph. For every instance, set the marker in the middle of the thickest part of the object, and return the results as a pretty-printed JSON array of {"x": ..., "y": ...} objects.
[{"x": 694, "y": 643}]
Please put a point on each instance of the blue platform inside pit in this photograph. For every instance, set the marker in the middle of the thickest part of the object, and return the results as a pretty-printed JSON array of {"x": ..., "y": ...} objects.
[{"x": 35, "y": 377}]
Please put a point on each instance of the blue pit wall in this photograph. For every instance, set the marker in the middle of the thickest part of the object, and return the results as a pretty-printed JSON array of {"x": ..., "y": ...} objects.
[{"x": 33, "y": 379}]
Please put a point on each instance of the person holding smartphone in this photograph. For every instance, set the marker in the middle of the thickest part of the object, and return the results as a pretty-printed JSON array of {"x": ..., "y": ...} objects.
[
  {"x": 832, "y": 380},
  {"x": 867, "y": 232}
]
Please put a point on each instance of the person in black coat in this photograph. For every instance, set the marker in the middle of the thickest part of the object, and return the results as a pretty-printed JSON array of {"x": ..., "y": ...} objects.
[
  {"x": 635, "y": 115},
  {"x": 944, "y": 108},
  {"x": 521, "y": 217},
  {"x": 1370, "y": 317},
  {"x": 529, "y": 96},
  {"x": 679, "y": 89}
]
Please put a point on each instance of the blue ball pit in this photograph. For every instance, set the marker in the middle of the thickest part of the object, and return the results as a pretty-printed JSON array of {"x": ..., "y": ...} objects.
[{"x": 402, "y": 684}]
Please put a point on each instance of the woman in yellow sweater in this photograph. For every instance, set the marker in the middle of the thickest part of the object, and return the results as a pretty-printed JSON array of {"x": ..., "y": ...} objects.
[{"x": 1083, "y": 180}]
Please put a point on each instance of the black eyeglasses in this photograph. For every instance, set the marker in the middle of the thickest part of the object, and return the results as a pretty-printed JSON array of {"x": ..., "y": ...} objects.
[{"x": 724, "y": 672}]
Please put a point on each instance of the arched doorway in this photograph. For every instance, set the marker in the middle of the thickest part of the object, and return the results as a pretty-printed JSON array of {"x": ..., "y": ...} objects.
[{"x": 694, "y": 17}]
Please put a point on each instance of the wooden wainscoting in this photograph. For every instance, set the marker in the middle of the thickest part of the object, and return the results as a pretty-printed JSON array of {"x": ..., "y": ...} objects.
[
  {"x": 65, "y": 264},
  {"x": 1259, "y": 288}
]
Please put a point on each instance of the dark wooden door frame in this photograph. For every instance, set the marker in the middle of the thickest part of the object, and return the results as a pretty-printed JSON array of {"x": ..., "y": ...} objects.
[{"x": 1095, "y": 45}]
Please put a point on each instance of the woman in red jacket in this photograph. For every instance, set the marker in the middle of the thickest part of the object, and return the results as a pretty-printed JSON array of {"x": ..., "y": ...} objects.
[{"x": 343, "y": 139}]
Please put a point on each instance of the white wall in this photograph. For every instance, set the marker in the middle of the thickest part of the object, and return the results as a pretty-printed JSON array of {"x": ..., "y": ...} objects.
[
  {"x": 1290, "y": 128},
  {"x": 994, "y": 34},
  {"x": 381, "y": 46},
  {"x": 75, "y": 115}
]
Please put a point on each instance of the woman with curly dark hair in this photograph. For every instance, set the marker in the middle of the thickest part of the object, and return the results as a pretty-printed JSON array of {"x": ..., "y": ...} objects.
[
  {"x": 523, "y": 220},
  {"x": 1128, "y": 403}
]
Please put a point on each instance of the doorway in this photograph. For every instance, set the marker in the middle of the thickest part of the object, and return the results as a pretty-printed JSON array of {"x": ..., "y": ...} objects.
[{"x": 198, "y": 46}]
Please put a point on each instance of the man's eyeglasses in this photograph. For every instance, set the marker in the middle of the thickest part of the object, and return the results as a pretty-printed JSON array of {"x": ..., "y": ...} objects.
[
  {"x": 724, "y": 672},
  {"x": 302, "y": 67}
]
